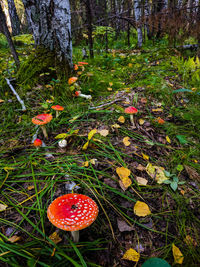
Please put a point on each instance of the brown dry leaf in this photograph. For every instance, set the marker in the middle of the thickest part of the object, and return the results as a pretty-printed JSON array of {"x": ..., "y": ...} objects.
[
  {"x": 156, "y": 172},
  {"x": 14, "y": 238},
  {"x": 103, "y": 132},
  {"x": 55, "y": 238},
  {"x": 190, "y": 241},
  {"x": 141, "y": 209},
  {"x": 178, "y": 256},
  {"x": 123, "y": 226},
  {"x": 141, "y": 181},
  {"x": 131, "y": 255},
  {"x": 3, "y": 207},
  {"x": 192, "y": 173},
  {"x": 140, "y": 167},
  {"x": 121, "y": 119},
  {"x": 143, "y": 100},
  {"x": 126, "y": 141}
]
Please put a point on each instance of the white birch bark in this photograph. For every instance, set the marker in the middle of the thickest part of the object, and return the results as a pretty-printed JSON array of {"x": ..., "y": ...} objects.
[
  {"x": 50, "y": 22},
  {"x": 138, "y": 15}
]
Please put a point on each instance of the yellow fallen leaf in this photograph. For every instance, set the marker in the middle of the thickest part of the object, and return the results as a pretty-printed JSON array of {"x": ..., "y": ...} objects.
[
  {"x": 178, "y": 256},
  {"x": 30, "y": 187},
  {"x": 141, "y": 209},
  {"x": 85, "y": 164},
  {"x": 168, "y": 139},
  {"x": 130, "y": 65},
  {"x": 93, "y": 161},
  {"x": 103, "y": 132},
  {"x": 190, "y": 241},
  {"x": 109, "y": 89},
  {"x": 157, "y": 110},
  {"x": 3, "y": 207},
  {"x": 141, "y": 121},
  {"x": 55, "y": 238},
  {"x": 61, "y": 136},
  {"x": 121, "y": 119},
  {"x": 116, "y": 126},
  {"x": 123, "y": 172},
  {"x": 125, "y": 183},
  {"x": 131, "y": 255},
  {"x": 14, "y": 238},
  {"x": 85, "y": 146},
  {"x": 74, "y": 118},
  {"x": 141, "y": 181},
  {"x": 126, "y": 141},
  {"x": 111, "y": 84},
  {"x": 146, "y": 157},
  {"x": 1, "y": 100},
  {"x": 156, "y": 172},
  {"x": 92, "y": 133}
]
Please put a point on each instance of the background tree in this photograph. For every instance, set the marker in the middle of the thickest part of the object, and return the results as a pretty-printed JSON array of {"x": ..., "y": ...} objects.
[{"x": 15, "y": 22}]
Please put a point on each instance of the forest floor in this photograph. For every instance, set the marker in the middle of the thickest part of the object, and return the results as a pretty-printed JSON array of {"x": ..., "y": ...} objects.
[{"x": 163, "y": 145}]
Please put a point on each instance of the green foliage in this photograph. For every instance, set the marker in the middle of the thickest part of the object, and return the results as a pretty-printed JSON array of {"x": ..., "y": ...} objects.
[{"x": 174, "y": 181}]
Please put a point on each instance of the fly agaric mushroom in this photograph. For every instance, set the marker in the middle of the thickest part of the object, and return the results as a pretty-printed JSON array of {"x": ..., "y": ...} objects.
[
  {"x": 57, "y": 108},
  {"x": 78, "y": 93},
  {"x": 41, "y": 120},
  {"x": 72, "y": 80},
  {"x": 131, "y": 110},
  {"x": 37, "y": 143},
  {"x": 72, "y": 212},
  {"x": 82, "y": 63}
]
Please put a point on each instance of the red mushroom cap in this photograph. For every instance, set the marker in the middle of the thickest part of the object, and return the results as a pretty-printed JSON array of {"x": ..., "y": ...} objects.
[
  {"x": 57, "y": 107},
  {"x": 72, "y": 212},
  {"x": 72, "y": 80},
  {"x": 130, "y": 110},
  {"x": 77, "y": 93},
  {"x": 82, "y": 63},
  {"x": 37, "y": 142},
  {"x": 42, "y": 119}
]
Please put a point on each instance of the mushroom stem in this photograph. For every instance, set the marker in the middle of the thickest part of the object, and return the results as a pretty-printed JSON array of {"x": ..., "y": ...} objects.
[
  {"x": 57, "y": 113},
  {"x": 44, "y": 131},
  {"x": 132, "y": 120},
  {"x": 85, "y": 96},
  {"x": 75, "y": 236}
]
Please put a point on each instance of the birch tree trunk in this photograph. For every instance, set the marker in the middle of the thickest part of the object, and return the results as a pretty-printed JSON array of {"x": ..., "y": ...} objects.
[
  {"x": 15, "y": 22},
  {"x": 50, "y": 22},
  {"x": 4, "y": 30},
  {"x": 138, "y": 14}
]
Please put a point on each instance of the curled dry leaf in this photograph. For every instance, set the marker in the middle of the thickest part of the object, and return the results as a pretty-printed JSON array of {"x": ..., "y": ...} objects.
[
  {"x": 141, "y": 181},
  {"x": 141, "y": 209},
  {"x": 125, "y": 181},
  {"x": 156, "y": 172},
  {"x": 116, "y": 126},
  {"x": 123, "y": 226},
  {"x": 103, "y": 132},
  {"x": 131, "y": 255},
  {"x": 55, "y": 238},
  {"x": 3, "y": 207},
  {"x": 192, "y": 173},
  {"x": 141, "y": 121},
  {"x": 121, "y": 119},
  {"x": 126, "y": 141},
  {"x": 178, "y": 256},
  {"x": 14, "y": 239}
]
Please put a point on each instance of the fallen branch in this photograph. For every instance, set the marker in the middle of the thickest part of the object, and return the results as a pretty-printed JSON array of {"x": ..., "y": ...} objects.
[
  {"x": 16, "y": 94},
  {"x": 107, "y": 104}
]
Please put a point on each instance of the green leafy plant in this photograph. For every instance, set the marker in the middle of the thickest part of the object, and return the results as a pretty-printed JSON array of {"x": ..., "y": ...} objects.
[{"x": 173, "y": 182}]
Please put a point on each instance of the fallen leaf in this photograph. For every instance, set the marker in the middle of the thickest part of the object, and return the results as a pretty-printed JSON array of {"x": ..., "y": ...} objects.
[
  {"x": 192, "y": 173},
  {"x": 116, "y": 126},
  {"x": 143, "y": 100},
  {"x": 14, "y": 238},
  {"x": 121, "y": 119},
  {"x": 141, "y": 121},
  {"x": 85, "y": 146},
  {"x": 85, "y": 164},
  {"x": 140, "y": 167},
  {"x": 110, "y": 83},
  {"x": 126, "y": 141},
  {"x": 141, "y": 181},
  {"x": 74, "y": 118},
  {"x": 55, "y": 238},
  {"x": 123, "y": 172},
  {"x": 123, "y": 226},
  {"x": 131, "y": 255},
  {"x": 190, "y": 241},
  {"x": 93, "y": 161},
  {"x": 92, "y": 133},
  {"x": 3, "y": 207},
  {"x": 156, "y": 172},
  {"x": 178, "y": 256},
  {"x": 30, "y": 187},
  {"x": 109, "y": 89},
  {"x": 146, "y": 157},
  {"x": 1, "y": 100},
  {"x": 168, "y": 139},
  {"x": 125, "y": 183},
  {"x": 141, "y": 209},
  {"x": 103, "y": 132},
  {"x": 61, "y": 136},
  {"x": 157, "y": 110}
]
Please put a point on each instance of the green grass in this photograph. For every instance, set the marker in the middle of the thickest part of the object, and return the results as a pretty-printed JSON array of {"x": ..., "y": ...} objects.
[{"x": 30, "y": 181}]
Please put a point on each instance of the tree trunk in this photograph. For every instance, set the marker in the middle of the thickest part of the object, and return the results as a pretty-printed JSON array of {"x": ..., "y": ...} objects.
[
  {"x": 15, "y": 22},
  {"x": 50, "y": 22},
  {"x": 138, "y": 14},
  {"x": 89, "y": 16},
  {"x": 4, "y": 29}
]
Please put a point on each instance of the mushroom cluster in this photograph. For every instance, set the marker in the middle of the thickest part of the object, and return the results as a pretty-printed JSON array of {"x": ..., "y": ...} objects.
[
  {"x": 41, "y": 120},
  {"x": 72, "y": 212}
]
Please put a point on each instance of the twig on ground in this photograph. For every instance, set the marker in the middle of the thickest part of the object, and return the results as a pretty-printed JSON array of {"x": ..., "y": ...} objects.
[{"x": 107, "y": 104}]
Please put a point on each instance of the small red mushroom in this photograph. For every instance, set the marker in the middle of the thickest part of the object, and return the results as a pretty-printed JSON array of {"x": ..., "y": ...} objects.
[
  {"x": 72, "y": 212},
  {"x": 37, "y": 142},
  {"x": 57, "y": 108},
  {"x": 78, "y": 93},
  {"x": 131, "y": 110},
  {"x": 41, "y": 120}
]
